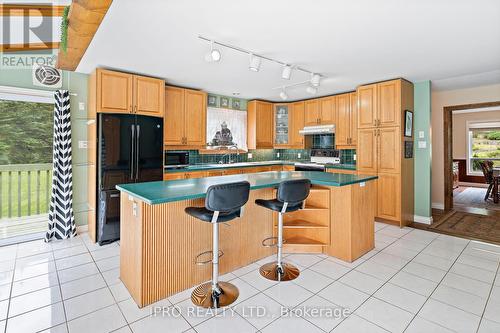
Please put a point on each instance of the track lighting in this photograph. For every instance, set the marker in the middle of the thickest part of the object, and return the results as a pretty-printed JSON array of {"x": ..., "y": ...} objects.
[
  {"x": 315, "y": 78},
  {"x": 254, "y": 63},
  {"x": 311, "y": 90},
  {"x": 287, "y": 72},
  {"x": 283, "y": 95},
  {"x": 213, "y": 55}
]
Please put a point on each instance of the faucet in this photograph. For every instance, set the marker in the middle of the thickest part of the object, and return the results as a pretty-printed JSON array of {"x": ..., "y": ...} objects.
[{"x": 229, "y": 154}]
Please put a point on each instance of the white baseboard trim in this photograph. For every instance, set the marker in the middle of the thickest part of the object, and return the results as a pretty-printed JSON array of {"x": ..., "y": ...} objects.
[
  {"x": 438, "y": 205},
  {"x": 82, "y": 228},
  {"x": 473, "y": 184},
  {"x": 422, "y": 219}
]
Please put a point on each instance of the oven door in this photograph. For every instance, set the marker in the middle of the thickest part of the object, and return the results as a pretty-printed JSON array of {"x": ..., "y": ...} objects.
[{"x": 309, "y": 167}]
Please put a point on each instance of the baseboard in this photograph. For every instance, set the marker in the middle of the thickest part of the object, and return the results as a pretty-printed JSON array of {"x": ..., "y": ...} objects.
[
  {"x": 82, "y": 228},
  {"x": 473, "y": 184},
  {"x": 422, "y": 219},
  {"x": 437, "y": 205}
]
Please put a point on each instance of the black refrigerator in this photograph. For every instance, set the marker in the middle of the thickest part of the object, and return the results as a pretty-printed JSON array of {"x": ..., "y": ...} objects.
[{"x": 130, "y": 150}]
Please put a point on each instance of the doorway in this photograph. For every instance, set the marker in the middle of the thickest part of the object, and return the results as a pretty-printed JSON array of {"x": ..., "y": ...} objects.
[{"x": 26, "y": 138}]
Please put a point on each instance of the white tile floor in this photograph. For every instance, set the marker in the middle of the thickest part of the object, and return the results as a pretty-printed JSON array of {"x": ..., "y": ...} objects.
[{"x": 415, "y": 281}]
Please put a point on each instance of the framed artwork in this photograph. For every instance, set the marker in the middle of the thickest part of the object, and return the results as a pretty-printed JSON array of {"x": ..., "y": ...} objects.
[
  {"x": 236, "y": 104},
  {"x": 224, "y": 102},
  {"x": 212, "y": 100},
  {"x": 408, "y": 124}
]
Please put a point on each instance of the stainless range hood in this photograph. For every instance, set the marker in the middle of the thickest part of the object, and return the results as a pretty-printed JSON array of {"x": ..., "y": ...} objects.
[{"x": 320, "y": 129}]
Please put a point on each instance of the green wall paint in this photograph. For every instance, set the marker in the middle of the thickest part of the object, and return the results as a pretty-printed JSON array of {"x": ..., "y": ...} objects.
[
  {"x": 422, "y": 122},
  {"x": 75, "y": 83},
  {"x": 243, "y": 102}
]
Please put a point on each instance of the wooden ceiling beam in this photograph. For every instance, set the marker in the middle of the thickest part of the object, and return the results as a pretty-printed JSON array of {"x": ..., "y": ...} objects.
[
  {"x": 84, "y": 19},
  {"x": 30, "y": 10}
]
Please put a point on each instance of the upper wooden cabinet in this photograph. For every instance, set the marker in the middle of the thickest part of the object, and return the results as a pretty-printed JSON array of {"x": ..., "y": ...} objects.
[
  {"x": 184, "y": 123},
  {"x": 297, "y": 123},
  {"x": 379, "y": 104},
  {"x": 117, "y": 92},
  {"x": 260, "y": 125},
  {"x": 282, "y": 125},
  {"x": 353, "y": 99},
  {"x": 346, "y": 126},
  {"x": 320, "y": 111}
]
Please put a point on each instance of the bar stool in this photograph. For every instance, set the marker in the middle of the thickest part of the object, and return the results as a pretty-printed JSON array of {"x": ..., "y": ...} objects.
[
  {"x": 223, "y": 203},
  {"x": 290, "y": 197}
]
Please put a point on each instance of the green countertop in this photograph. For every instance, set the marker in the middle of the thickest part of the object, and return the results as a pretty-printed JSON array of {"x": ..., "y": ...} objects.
[
  {"x": 184, "y": 189},
  {"x": 201, "y": 167}
]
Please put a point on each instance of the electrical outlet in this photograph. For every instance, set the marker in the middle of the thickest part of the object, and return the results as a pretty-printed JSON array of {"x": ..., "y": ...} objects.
[
  {"x": 81, "y": 106},
  {"x": 250, "y": 156},
  {"x": 299, "y": 155},
  {"x": 421, "y": 134},
  {"x": 278, "y": 155},
  {"x": 354, "y": 157},
  {"x": 422, "y": 144},
  {"x": 82, "y": 144}
]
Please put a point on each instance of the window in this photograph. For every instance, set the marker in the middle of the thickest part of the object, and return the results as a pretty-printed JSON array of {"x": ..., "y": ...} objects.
[
  {"x": 484, "y": 145},
  {"x": 226, "y": 127}
]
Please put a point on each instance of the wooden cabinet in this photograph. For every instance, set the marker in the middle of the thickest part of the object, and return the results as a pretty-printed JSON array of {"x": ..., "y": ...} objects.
[
  {"x": 379, "y": 104},
  {"x": 320, "y": 111},
  {"x": 297, "y": 123},
  {"x": 260, "y": 125},
  {"x": 366, "y": 160},
  {"x": 353, "y": 99},
  {"x": 312, "y": 112},
  {"x": 389, "y": 196},
  {"x": 343, "y": 126},
  {"x": 221, "y": 172},
  {"x": 367, "y": 106},
  {"x": 116, "y": 92},
  {"x": 328, "y": 114},
  {"x": 380, "y": 146},
  {"x": 184, "y": 123}
]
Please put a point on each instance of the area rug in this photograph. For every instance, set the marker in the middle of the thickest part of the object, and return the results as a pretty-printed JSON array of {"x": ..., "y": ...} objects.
[{"x": 470, "y": 225}]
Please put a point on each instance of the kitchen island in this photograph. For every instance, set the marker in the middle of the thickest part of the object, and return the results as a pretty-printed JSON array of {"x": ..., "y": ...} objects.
[{"x": 159, "y": 241}]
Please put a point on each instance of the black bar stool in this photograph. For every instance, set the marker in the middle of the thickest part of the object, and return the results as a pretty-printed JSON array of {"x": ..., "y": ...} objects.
[
  {"x": 223, "y": 203},
  {"x": 290, "y": 197}
]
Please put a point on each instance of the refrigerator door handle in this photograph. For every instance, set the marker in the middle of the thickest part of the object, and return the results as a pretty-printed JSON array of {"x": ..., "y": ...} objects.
[
  {"x": 132, "y": 144},
  {"x": 137, "y": 152}
]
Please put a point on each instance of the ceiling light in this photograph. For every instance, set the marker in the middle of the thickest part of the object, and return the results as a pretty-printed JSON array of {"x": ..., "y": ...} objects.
[
  {"x": 213, "y": 55},
  {"x": 311, "y": 90},
  {"x": 254, "y": 63},
  {"x": 283, "y": 95},
  {"x": 315, "y": 79},
  {"x": 287, "y": 72}
]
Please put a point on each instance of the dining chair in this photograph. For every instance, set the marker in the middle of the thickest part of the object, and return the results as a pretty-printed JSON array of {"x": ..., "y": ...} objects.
[{"x": 487, "y": 168}]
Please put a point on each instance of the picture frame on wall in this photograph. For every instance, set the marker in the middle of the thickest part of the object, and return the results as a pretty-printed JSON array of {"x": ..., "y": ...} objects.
[
  {"x": 224, "y": 102},
  {"x": 236, "y": 104},
  {"x": 212, "y": 100},
  {"x": 408, "y": 124}
]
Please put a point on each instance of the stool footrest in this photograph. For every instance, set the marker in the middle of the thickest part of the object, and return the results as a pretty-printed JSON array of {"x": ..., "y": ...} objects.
[
  {"x": 198, "y": 262},
  {"x": 266, "y": 243}
]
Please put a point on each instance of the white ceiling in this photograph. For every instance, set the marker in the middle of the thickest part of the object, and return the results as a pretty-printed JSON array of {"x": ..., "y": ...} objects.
[{"x": 351, "y": 42}]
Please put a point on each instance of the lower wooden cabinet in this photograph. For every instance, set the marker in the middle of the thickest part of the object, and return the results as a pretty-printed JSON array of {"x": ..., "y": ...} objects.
[
  {"x": 389, "y": 196},
  {"x": 222, "y": 172}
]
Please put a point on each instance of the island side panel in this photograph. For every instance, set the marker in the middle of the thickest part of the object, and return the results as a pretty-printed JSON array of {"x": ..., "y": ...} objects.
[
  {"x": 170, "y": 240},
  {"x": 352, "y": 221}
]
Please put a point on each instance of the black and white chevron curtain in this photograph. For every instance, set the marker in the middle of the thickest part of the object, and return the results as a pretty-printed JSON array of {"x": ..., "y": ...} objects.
[{"x": 61, "y": 217}]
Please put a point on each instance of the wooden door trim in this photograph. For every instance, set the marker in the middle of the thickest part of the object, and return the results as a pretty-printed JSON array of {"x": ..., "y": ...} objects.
[{"x": 448, "y": 146}]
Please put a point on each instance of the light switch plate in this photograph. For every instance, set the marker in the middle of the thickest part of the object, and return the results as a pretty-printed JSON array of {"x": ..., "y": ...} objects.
[
  {"x": 250, "y": 156},
  {"x": 421, "y": 134},
  {"x": 299, "y": 155},
  {"x": 422, "y": 144},
  {"x": 82, "y": 144},
  {"x": 81, "y": 106}
]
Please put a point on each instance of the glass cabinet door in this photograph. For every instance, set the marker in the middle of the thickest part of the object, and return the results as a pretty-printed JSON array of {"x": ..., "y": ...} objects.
[{"x": 281, "y": 125}]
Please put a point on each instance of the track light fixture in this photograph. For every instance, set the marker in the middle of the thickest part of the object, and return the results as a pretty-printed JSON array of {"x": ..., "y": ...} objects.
[
  {"x": 315, "y": 78},
  {"x": 254, "y": 63},
  {"x": 213, "y": 55},
  {"x": 311, "y": 90},
  {"x": 283, "y": 95},
  {"x": 287, "y": 72}
]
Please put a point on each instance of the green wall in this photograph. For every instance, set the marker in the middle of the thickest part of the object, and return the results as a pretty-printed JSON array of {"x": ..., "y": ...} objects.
[
  {"x": 75, "y": 83},
  {"x": 422, "y": 123}
]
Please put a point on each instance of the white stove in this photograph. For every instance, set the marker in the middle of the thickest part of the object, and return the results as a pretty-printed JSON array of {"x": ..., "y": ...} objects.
[{"x": 319, "y": 159}]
